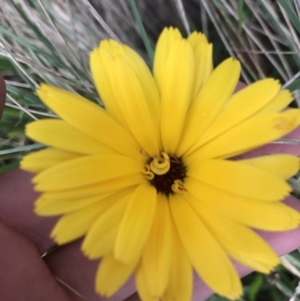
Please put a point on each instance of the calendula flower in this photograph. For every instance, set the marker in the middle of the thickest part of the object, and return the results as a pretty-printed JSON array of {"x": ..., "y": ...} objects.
[{"x": 148, "y": 180}]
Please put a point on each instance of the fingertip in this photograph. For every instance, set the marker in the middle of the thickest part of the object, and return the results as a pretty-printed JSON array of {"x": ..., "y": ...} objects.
[
  {"x": 16, "y": 209},
  {"x": 240, "y": 86},
  {"x": 23, "y": 274}
]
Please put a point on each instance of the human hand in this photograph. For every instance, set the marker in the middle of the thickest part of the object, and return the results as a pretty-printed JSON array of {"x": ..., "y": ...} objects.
[{"x": 24, "y": 237}]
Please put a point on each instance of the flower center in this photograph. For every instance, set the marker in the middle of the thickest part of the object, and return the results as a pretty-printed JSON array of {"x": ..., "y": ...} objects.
[{"x": 166, "y": 173}]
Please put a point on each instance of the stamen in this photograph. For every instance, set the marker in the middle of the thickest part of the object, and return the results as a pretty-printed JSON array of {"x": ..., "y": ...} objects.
[
  {"x": 178, "y": 187},
  {"x": 166, "y": 173},
  {"x": 149, "y": 175},
  {"x": 160, "y": 165}
]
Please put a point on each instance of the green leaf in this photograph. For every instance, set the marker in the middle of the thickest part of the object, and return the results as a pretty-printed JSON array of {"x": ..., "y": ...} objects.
[
  {"x": 6, "y": 65},
  {"x": 255, "y": 286},
  {"x": 217, "y": 298}
]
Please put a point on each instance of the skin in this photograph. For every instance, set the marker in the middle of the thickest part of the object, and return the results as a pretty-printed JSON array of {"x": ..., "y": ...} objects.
[{"x": 24, "y": 237}]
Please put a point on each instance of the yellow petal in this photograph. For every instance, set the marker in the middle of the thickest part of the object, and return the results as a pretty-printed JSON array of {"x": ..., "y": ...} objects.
[
  {"x": 180, "y": 283},
  {"x": 137, "y": 73},
  {"x": 147, "y": 81},
  {"x": 203, "y": 59},
  {"x": 284, "y": 166},
  {"x": 104, "y": 84},
  {"x": 112, "y": 274},
  {"x": 196, "y": 38},
  {"x": 136, "y": 223},
  {"x": 58, "y": 133},
  {"x": 50, "y": 207},
  {"x": 209, "y": 102},
  {"x": 241, "y": 179},
  {"x": 134, "y": 103},
  {"x": 250, "y": 134},
  {"x": 203, "y": 64},
  {"x": 101, "y": 237},
  {"x": 176, "y": 93},
  {"x": 205, "y": 253},
  {"x": 89, "y": 118},
  {"x": 250, "y": 262},
  {"x": 46, "y": 158},
  {"x": 110, "y": 46},
  {"x": 240, "y": 242},
  {"x": 242, "y": 105},
  {"x": 95, "y": 189},
  {"x": 271, "y": 216},
  {"x": 75, "y": 224},
  {"x": 164, "y": 44},
  {"x": 141, "y": 284},
  {"x": 83, "y": 172},
  {"x": 156, "y": 254},
  {"x": 278, "y": 103}
]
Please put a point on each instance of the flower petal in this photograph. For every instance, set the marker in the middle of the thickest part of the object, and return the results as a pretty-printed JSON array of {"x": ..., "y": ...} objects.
[
  {"x": 89, "y": 118},
  {"x": 240, "y": 179},
  {"x": 141, "y": 284},
  {"x": 112, "y": 274},
  {"x": 203, "y": 59},
  {"x": 242, "y": 105},
  {"x": 271, "y": 216},
  {"x": 95, "y": 189},
  {"x": 284, "y": 166},
  {"x": 137, "y": 73},
  {"x": 206, "y": 255},
  {"x": 75, "y": 224},
  {"x": 104, "y": 84},
  {"x": 180, "y": 285},
  {"x": 136, "y": 224},
  {"x": 164, "y": 44},
  {"x": 204, "y": 66},
  {"x": 50, "y": 207},
  {"x": 209, "y": 102},
  {"x": 176, "y": 92},
  {"x": 63, "y": 136},
  {"x": 46, "y": 158},
  {"x": 83, "y": 172},
  {"x": 156, "y": 253},
  {"x": 278, "y": 103},
  {"x": 101, "y": 237},
  {"x": 134, "y": 103},
  {"x": 196, "y": 38},
  {"x": 245, "y": 245},
  {"x": 146, "y": 80},
  {"x": 250, "y": 134}
]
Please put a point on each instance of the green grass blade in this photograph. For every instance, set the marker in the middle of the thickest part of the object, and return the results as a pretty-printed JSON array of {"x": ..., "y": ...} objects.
[
  {"x": 295, "y": 85},
  {"x": 26, "y": 148},
  {"x": 142, "y": 30},
  {"x": 291, "y": 13},
  {"x": 240, "y": 14},
  {"x": 8, "y": 167}
]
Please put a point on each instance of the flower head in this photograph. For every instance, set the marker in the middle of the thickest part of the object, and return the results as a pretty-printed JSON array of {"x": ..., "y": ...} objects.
[{"x": 148, "y": 181}]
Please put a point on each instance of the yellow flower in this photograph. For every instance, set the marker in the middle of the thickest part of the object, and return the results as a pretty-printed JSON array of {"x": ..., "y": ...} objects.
[{"x": 148, "y": 180}]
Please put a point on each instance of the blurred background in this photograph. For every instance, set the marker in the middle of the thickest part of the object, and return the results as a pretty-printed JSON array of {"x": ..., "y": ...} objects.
[{"x": 50, "y": 41}]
